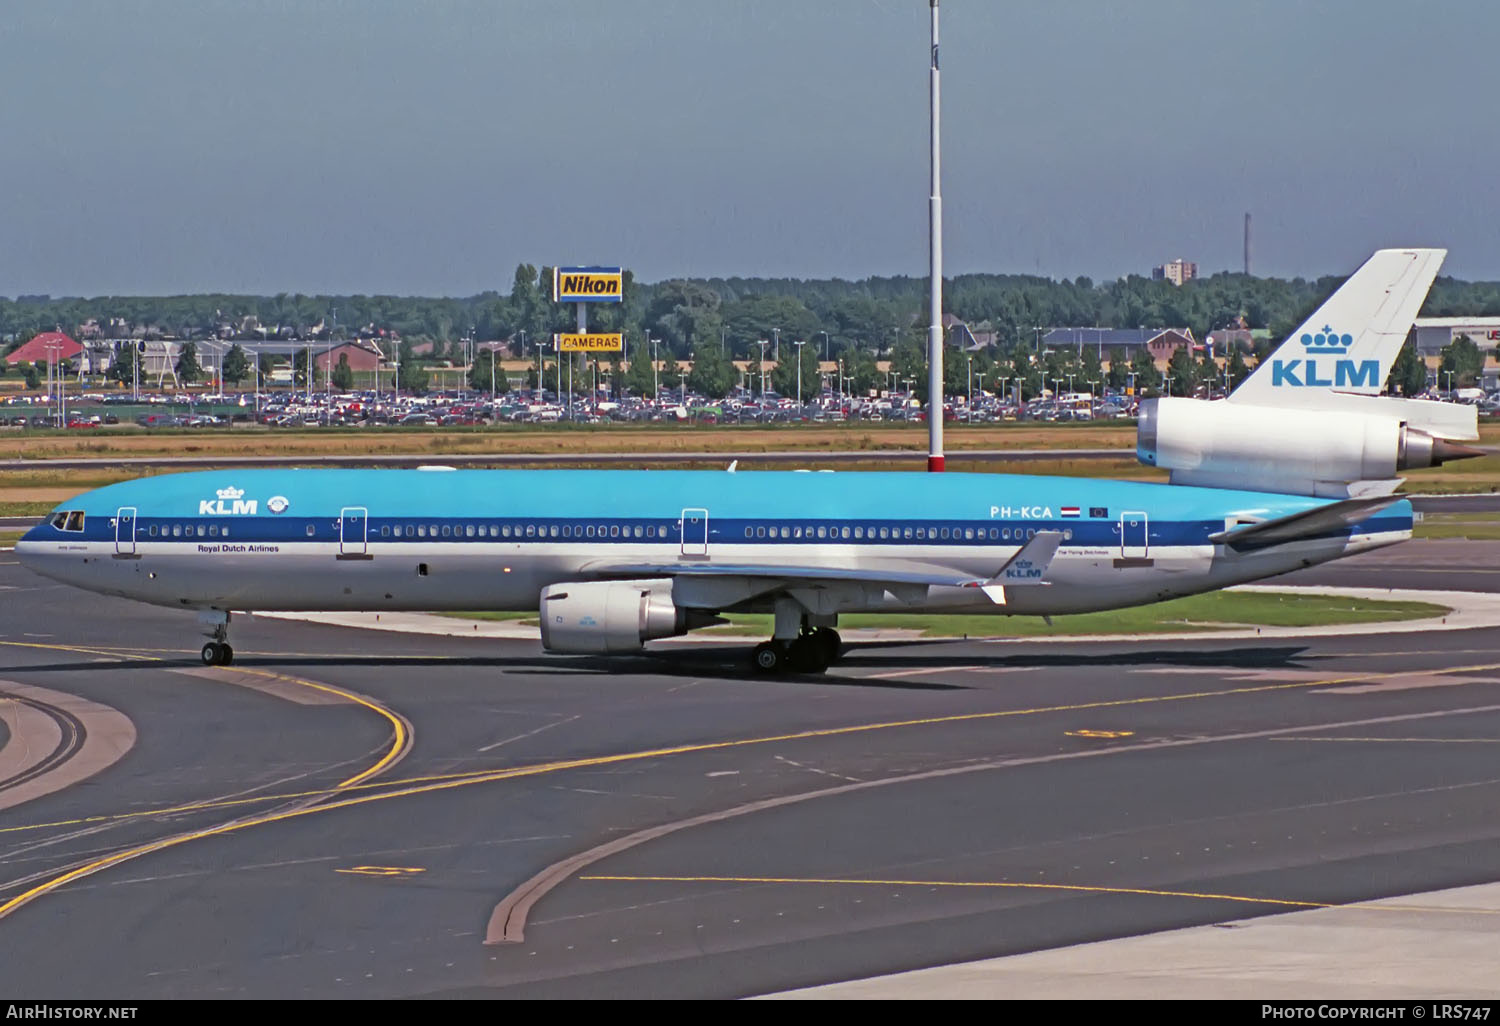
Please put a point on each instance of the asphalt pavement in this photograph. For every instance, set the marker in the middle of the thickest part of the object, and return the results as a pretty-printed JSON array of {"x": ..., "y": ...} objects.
[{"x": 354, "y": 813}]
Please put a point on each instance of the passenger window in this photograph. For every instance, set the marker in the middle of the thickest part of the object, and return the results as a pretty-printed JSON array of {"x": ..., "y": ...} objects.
[
  {"x": 531, "y": 530},
  {"x": 760, "y": 532},
  {"x": 225, "y": 531},
  {"x": 567, "y": 530},
  {"x": 421, "y": 530},
  {"x": 410, "y": 530},
  {"x": 590, "y": 530},
  {"x": 469, "y": 531},
  {"x": 176, "y": 530},
  {"x": 822, "y": 532},
  {"x": 844, "y": 532},
  {"x": 944, "y": 533},
  {"x": 1031, "y": 533},
  {"x": 552, "y": 530},
  {"x": 153, "y": 531},
  {"x": 1067, "y": 534},
  {"x": 968, "y": 534},
  {"x": 447, "y": 531},
  {"x": 907, "y": 532},
  {"x": 201, "y": 531},
  {"x": 213, "y": 530},
  {"x": 884, "y": 533},
  {"x": 921, "y": 534},
  {"x": 309, "y": 530},
  {"x": 614, "y": 530},
  {"x": 385, "y": 530},
  {"x": 796, "y": 532},
  {"x": 637, "y": 530},
  {"x": 505, "y": 530}
]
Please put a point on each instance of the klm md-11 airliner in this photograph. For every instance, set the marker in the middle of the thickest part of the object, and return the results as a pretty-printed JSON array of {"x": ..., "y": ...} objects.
[{"x": 1303, "y": 473}]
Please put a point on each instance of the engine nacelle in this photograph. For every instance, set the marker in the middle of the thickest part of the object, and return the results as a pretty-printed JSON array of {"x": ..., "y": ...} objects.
[
  {"x": 593, "y": 617},
  {"x": 1304, "y": 451}
]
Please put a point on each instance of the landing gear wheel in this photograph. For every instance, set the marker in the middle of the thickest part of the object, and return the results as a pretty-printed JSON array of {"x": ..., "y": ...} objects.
[
  {"x": 228, "y": 654},
  {"x": 769, "y": 657},
  {"x": 807, "y": 654},
  {"x": 213, "y": 654},
  {"x": 831, "y": 642}
]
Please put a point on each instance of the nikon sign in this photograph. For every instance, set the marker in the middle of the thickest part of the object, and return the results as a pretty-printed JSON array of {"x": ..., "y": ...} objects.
[
  {"x": 586, "y": 284},
  {"x": 598, "y": 342}
]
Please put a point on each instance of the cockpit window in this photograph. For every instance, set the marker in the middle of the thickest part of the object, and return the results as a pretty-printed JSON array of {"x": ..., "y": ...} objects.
[{"x": 67, "y": 520}]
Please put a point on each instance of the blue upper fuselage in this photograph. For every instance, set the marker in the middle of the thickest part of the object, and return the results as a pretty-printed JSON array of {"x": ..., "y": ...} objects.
[{"x": 287, "y": 505}]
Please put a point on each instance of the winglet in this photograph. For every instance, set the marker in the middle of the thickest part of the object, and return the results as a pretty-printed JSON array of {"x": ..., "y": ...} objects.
[{"x": 1026, "y": 567}]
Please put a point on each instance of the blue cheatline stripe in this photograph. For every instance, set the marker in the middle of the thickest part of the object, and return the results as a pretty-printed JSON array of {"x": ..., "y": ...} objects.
[{"x": 631, "y": 530}]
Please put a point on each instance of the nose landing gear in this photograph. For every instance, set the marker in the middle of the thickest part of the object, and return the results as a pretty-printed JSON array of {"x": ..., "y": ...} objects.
[{"x": 218, "y": 652}]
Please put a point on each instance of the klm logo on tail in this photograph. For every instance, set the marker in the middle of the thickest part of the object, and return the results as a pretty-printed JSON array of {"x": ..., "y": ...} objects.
[{"x": 1330, "y": 347}]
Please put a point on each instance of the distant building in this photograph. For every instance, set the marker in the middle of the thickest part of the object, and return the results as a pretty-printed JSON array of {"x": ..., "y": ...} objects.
[
  {"x": 1433, "y": 333},
  {"x": 363, "y": 356},
  {"x": 969, "y": 337},
  {"x": 48, "y": 347},
  {"x": 1176, "y": 272},
  {"x": 1161, "y": 343}
]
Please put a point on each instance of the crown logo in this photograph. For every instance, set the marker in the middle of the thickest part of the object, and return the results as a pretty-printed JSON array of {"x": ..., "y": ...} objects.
[
  {"x": 1328, "y": 341},
  {"x": 231, "y": 493}
]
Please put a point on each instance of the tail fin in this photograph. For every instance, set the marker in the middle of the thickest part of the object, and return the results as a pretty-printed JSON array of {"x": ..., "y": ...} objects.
[{"x": 1351, "y": 341}]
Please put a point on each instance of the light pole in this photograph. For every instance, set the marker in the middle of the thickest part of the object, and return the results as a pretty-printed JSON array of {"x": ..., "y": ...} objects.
[
  {"x": 655, "y": 380},
  {"x": 762, "y": 343},
  {"x": 825, "y": 345},
  {"x": 980, "y": 376},
  {"x": 799, "y": 377},
  {"x": 776, "y": 353},
  {"x": 969, "y": 393},
  {"x": 1450, "y": 383}
]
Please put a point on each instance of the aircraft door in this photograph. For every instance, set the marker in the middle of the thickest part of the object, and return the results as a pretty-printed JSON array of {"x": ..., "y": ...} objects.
[
  {"x": 694, "y": 527},
  {"x": 1133, "y": 536},
  {"x": 125, "y": 531},
  {"x": 353, "y": 524}
]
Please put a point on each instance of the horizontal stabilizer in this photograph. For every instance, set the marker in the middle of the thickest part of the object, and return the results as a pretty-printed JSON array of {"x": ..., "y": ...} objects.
[{"x": 1324, "y": 519}]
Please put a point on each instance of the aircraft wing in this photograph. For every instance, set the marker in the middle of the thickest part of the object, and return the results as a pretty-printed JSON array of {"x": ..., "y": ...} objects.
[
  {"x": 873, "y": 576},
  {"x": 1026, "y": 567},
  {"x": 1321, "y": 520}
]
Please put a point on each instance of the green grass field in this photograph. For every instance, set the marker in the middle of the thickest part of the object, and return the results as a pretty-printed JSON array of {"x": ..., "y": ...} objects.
[
  {"x": 1474, "y": 526},
  {"x": 1214, "y": 611}
]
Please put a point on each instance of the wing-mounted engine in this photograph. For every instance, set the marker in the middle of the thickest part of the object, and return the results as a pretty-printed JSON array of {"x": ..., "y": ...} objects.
[
  {"x": 1299, "y": 451},
  {"x": 593, "y": 617}
]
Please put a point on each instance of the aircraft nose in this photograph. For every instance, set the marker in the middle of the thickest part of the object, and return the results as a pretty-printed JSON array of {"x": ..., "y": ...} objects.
[{"x": 28, "y": 547}]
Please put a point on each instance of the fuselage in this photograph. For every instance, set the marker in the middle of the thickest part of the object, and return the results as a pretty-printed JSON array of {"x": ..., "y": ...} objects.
[{"x": 441, "y": 539}]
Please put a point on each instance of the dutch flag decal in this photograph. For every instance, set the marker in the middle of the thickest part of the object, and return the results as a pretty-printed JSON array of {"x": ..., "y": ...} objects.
[{"x": 1070, "y": 511}]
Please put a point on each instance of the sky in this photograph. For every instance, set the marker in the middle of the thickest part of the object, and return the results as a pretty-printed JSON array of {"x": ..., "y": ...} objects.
[{"x": 370, "y": 146}]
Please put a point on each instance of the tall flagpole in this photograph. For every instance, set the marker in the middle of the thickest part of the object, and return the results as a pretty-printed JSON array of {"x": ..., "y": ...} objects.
[{"x": 935, "y": 237}]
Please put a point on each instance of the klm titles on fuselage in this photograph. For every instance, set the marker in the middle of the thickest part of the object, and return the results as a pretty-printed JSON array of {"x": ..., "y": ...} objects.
[
  {"x": 1331, "y": 347},
  {"x": 231, "y": 501}
]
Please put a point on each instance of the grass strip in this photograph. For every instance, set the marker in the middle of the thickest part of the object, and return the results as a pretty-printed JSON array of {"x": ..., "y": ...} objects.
[{"x": 1214, "y": 611}]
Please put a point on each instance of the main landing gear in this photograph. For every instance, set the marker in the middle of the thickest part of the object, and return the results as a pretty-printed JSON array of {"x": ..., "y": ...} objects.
[
  {"x": 218, "y": 651},
  {"x": 809, "y": 652}
]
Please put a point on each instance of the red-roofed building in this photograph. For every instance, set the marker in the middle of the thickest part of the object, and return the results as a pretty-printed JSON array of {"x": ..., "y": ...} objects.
[
  {"x": 48, "y": 346},
  {"x": 363, "y": 356}
]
